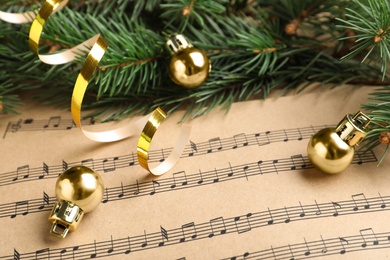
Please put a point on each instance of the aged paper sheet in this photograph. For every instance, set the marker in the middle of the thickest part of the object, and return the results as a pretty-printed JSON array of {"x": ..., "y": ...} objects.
[{"x": 243, "y": 189}]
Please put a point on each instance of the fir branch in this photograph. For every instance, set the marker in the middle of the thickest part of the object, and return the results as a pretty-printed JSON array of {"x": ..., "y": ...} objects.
[{"x": 371, "y": 23}]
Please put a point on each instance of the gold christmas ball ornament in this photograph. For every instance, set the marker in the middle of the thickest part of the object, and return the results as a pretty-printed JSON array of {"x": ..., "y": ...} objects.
[
  {"x": 189, "y": 67},
  {"x": 332, "y": 150},
  {"x": 79, "y": 190}
]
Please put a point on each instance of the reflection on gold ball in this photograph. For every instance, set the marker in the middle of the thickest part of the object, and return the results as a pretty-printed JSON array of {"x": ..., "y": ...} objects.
[
  {"x": 328, "y": 152},
  {"x": 82, "y": 186},
  {"x": 189, "y": 67}
]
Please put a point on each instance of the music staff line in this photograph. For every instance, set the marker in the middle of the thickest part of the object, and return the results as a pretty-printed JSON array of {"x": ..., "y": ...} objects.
[
  {"x": 178, "y": 181},
  {"x": 26, "y": 173},
  {"x": 214, "y": 227},
  {"x": 367, "y": 239},
  {"x": 53, "y": 123}
]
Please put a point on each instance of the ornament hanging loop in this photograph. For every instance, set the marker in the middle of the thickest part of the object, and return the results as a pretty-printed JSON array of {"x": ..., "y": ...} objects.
[
  {"x": 178, "y": 42},
  {"x": 351, "y": 129}
]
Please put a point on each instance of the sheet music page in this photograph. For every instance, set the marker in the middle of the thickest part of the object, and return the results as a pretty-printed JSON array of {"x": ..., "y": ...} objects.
[{"x": 243, "y": 189}]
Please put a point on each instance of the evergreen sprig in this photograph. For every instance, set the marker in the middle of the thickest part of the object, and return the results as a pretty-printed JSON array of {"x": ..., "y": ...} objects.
[
  {"x": 370, "y": 23},
  {"x": 255, "y": 47}
]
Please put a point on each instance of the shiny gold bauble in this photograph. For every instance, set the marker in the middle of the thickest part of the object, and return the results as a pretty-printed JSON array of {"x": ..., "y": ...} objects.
[
  {"x": 189, "y": 67},
  {"x": 328, "y": 152},
  {"x": 81, "y": 186}
]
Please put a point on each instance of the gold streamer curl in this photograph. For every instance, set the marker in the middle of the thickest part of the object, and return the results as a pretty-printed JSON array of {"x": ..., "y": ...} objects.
[{"x": 97, "y": 46}]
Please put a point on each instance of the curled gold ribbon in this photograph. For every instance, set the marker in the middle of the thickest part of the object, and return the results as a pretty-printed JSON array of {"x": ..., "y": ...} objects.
[
  {"x": 97, "y": 46},
  {"x": 17, "y": 18},
  {"x": 155, "y": 119},
  {"x": 65, "y": 56}
]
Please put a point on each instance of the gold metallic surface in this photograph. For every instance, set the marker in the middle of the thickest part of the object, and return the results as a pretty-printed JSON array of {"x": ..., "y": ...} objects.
[
  {"x": 189, "y": 67},
  {"x": 37, "y": 26},
  {"x": 81, "y": 186},
  {"x": 351, "y": 128},
  {"x": 65, "y": 216},
  {"x": 155, "y": 119},
  {"x": 79, "y": 190},
  {"x": 328, "y": 152},
  {"x": 332, "y": 150}
]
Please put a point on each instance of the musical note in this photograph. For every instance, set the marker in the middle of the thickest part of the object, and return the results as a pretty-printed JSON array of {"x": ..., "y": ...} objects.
[
  {"x": 45, "y": 171},
  {"x": 44, "y": 253},
  {"x": 164, "y": 236},
  {"x": 154, "y": 183},
  {"x": 325, "y": 249},
  {"x": 307, "y": 252},
  {"x": 64, "y": 165},
  {"x": 179, "y": 177},
  {"x": 122, "y": 193},
  {"x": 145, "y": 243},
  {"x": 274, "y": 162},
  {"x": 245, "y": 169},
  {"x": 188, "y": 230},
  {"x": 302, "y": 214},
  {"x": 263, "y": 141},
  {"x": 383, "y": 205},
  {"x": 93, "y": 255},
  {"x": 162, "y": 156},
  {"x": 129, "y": 246},
  {"x": 342, "y": 242},
  {"x": 136, "y": 192},
  {"x": 217, "y": 225},
  {"x": 259, "y": 163},
  {"x": 240, "y": 139},
  {"x": 88, "y": 163},
  {"x": 216, "y": 176},
  {"x": 358, "y": 197},
  {"x": 243, "y": 224},
  {"x": 298, "y": 162},
  {"x": 74, "y": 249},
  {"x": 132, "y": 161},
  {"x": 287, "y": 220},
  {"x": 367, "y": 235},
  {"x": 63, "y": 251},
  {"x": 300, "y": 137},
  {"x": 16, "y": 255},
  {"x": 291, "y": 253},
  {"x": 45, "y": 202},
  {"x": 23, "y": 171},
  {"x": 15, "y": 126},
  {"x": 285, "y": 135},
  {"x": 230, "y": 174},
  {"x": 271, "y": 221},
  {"x": 201, "y": 177},
  {"x": 109, "y": 165},
  {"x": 214, "y": 144},
  {"x": 194, "y": 149},
  {"x": 111, "y": 249},
  {"x": 21, "y": 206},
  {"x": 54, "y": 121},
  {"x": 105, "y": 198},
  {"x": 336, "y": 213}
]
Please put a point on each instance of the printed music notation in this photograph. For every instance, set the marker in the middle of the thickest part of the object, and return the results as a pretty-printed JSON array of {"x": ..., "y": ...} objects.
[
  {"x": 53, "y": 123},
  {"x": 27, "y": 173},
  {"x": 219, "y": 226},
  {"x": 181, "y": 180},
  {"x": 263, "y": 204},
  {"x": 367, "y": 239}
]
